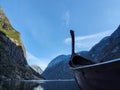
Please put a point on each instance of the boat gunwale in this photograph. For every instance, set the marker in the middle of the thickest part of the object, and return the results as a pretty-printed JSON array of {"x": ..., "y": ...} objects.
[{"x": 96, "y": 64}]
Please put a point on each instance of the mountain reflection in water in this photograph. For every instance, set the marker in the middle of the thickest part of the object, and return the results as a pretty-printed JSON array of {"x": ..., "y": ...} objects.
[{"x": 39, "y": 85}]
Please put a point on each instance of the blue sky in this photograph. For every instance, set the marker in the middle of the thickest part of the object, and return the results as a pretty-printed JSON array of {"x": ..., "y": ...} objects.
[{"x": 44, "y": 25}]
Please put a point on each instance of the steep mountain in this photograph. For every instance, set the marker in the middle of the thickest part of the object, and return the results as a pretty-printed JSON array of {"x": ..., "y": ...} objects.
[
  {"x": 108, "y": 48},
  {"x": 58, "y": 68},
  {"x": 36, "y": 68},
  {"x": 13, "y": 63}
]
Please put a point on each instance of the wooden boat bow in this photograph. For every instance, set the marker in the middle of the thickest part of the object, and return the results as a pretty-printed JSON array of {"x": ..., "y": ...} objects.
[{"x": 77, "y": 60}]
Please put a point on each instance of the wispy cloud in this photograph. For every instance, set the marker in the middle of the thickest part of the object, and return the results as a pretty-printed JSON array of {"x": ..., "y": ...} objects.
[
  {"x": 89, "y": 40},
  {"x": 33, "y": 60},
  {"x": 66, "y": 18}
]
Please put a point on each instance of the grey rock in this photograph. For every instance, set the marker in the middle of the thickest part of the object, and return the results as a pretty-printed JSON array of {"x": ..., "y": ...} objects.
[{"x": 37, "y": 69}]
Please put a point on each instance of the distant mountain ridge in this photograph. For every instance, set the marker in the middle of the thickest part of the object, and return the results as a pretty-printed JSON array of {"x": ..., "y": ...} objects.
[
  {"x": 58, "y": 68},
  {"x": 107, "y": 49}
]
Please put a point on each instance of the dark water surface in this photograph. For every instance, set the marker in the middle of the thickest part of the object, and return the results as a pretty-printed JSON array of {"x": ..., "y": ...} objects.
[{"x": 39, "y": 85}]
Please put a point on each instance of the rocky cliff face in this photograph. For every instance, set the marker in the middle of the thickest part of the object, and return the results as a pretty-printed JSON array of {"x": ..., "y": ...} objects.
[
  {"x": 13, "y": 63},
  {"x": 107, "y": 49}
]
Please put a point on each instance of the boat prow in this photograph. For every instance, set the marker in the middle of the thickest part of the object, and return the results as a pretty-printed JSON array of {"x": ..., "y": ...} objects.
[{"x": 95, "y": 76}]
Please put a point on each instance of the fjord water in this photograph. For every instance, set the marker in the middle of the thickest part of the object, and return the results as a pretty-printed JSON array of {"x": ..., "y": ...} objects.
[{"x": 39, "y": 85}]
